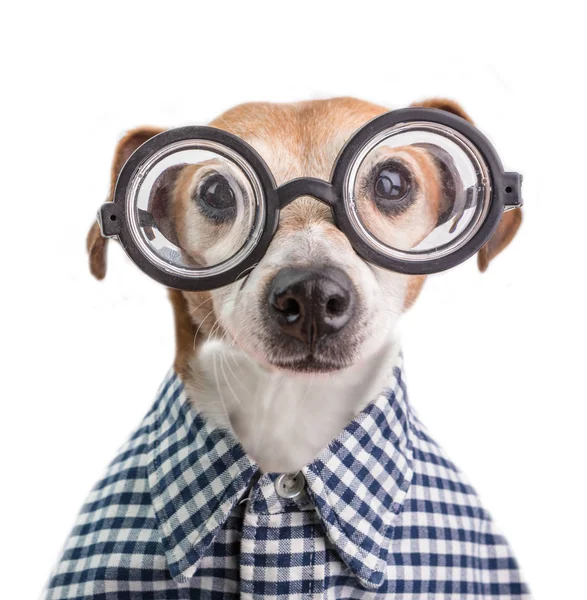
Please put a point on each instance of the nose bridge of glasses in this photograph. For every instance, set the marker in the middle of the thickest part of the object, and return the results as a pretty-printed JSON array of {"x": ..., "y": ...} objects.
[{"x": 307, "y": 186}]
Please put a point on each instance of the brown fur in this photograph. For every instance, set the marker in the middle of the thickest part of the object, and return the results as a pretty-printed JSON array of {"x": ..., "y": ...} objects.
[
  {"x": 295, "y": 126},
  {"x": 187, "y": 336},
  {"x": 508, "y": 226},
  {"x": 445, "y": 104}
]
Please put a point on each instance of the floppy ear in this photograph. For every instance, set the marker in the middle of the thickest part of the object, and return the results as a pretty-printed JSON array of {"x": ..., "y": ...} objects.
[
  {"x": 504, "y": 234},
  {"x": 510, "y": 221},
  {"x": 96, "y": 244},
  {"x": 445, "y": 104}
]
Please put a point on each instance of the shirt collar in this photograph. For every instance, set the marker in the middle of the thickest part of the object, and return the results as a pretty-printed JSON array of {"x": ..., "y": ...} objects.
[{"x": 198, "y": 473}]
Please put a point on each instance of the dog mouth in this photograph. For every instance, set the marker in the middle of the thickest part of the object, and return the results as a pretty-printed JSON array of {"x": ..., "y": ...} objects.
[
  {"x": 327, "y": 356},
  {"x": 276, "y": 352},
  {"x": 311, "y": 364}
]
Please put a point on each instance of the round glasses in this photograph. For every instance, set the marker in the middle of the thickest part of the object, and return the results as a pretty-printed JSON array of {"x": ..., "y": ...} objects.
[{"x": 416, "y": 190}]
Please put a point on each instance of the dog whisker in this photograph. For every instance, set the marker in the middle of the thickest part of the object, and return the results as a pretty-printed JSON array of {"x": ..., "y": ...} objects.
[
  {"x": 222, "y": 361},
  {"x": 237, "y": 364},
  {"x": 250, "y": 268},
  {"x": 231, "y": 354},
  {"x": 215, "y": 327},
  {"x": 240, "y": 346},
  {"x": 199, "y": 327},
  {"x": 219, "y": 387},
  {"x": 244, "y": 279},
  {"x": 193, "y": 310}
]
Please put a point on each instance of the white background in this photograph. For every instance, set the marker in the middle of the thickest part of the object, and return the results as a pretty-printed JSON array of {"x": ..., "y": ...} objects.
[{"x": 496, "y": 362}]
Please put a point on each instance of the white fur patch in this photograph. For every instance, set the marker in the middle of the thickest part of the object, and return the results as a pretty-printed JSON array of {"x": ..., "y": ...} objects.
[{"x": 282, "y": 420}]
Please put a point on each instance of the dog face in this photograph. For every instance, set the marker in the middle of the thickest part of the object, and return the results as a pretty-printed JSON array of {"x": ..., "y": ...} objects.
[{"x": 311, "y": 304}]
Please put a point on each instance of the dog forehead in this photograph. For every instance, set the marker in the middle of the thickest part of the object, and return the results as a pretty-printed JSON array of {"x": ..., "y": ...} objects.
[{"x": 301, "y": 139}]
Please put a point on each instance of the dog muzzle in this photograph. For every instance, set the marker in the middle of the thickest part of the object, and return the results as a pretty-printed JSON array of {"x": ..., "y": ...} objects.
[{"x": 416, "y": 191}]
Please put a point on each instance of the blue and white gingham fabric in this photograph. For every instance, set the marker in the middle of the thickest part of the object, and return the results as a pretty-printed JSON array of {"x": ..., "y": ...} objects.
[{"x": 183, "y": 512}]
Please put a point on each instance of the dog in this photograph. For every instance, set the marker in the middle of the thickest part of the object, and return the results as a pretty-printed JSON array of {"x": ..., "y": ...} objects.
[{"x": 279, "y": 381}]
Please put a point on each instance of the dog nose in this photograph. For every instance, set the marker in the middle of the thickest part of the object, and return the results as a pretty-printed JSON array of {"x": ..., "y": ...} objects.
[{"x": 309, "y": 304}]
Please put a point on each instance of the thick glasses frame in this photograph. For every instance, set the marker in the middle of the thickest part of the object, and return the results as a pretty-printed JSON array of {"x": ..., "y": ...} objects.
[{"x": 504, "y": 194}]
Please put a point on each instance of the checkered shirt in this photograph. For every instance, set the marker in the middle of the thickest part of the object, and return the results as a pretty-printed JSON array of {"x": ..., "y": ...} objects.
[{"x": 183, "y": 512}]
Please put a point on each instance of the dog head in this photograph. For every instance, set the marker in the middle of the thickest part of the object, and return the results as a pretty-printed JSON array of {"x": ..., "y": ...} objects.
[{"x": 311, "y": 304}]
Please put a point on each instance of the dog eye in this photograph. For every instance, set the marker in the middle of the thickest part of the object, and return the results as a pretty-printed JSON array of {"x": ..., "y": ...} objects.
[
  {"x": 392, "y": 184},
  {"x": 216, "y": 198}
]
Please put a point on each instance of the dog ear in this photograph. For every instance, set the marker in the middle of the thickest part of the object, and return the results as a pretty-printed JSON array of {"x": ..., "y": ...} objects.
[
  {"x": 97, "y": 244},
  {"x": 504, "y": 234},
  {"x": 510, "y": 221},
  {"x": 445, "y": 104}
]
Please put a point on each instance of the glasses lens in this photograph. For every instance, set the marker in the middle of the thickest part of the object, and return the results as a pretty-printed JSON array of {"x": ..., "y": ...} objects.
[
  {"x": 195, "y": 207},
  {"x": 418, "y": 191}
]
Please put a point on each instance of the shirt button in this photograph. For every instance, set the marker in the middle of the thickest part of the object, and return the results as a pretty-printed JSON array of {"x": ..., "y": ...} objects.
[{"x": 290, "y": 485}]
